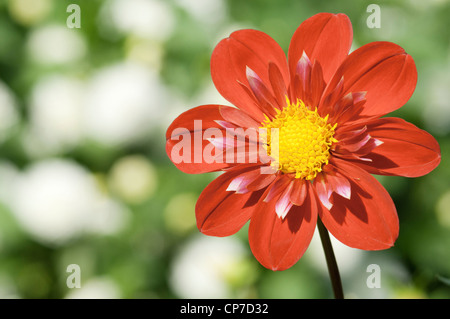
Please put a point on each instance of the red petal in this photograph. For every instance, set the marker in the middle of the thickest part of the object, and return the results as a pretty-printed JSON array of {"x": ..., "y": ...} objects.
[
  {"x": 384, "y": 70},
  {"x": 184, "y": 129},
  {"x": 261, "y": 181},
  {"x": 239, "y": 152},
  {"x": 278, "y": 85},
  {"x": 323, "y": 190},
  {"x": 324, "y": 37},
  {"x": 303, "y": 71},
  {"x": 406, "y": 149},
  {"x": 284, "y": 204},
  {"x": 354, "y": 143},
  {"x": 298, "y": 193},
  {"x": 317, "y": 84},
  {"x": 340, "y": 185},
  {"x": 277, "y": 187},
  {"x": 223, "y": 213},
  {"x": 308, "y": 83},
  {"x": 208, "y": 114},
  {"x": 237, "y": 117},
  {"x": 232, "y": 56},
  {"x": 239, "y": 184},
  {"x": 279, "y": 243},
  {"x": 266, "y": 101},
  {"x": 368, "y": 220}
]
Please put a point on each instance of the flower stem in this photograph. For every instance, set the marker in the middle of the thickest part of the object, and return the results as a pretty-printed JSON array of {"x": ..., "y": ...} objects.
[{"x": 333, "y": 270}]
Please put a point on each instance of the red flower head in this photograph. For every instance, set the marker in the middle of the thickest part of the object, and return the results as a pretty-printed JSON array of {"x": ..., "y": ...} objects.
[{"x": 317, "y": 117}]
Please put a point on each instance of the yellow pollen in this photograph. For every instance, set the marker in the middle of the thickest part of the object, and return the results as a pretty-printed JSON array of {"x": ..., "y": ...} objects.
[{"x": 303, "y": 139}]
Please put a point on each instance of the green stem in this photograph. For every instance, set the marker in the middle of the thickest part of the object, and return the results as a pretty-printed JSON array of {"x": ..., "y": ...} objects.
[{"x": 333, "y": 270}]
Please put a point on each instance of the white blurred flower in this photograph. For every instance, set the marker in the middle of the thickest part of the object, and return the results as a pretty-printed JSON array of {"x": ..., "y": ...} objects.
[
  {"x": 209, "y": 95},
  {"x": 347, "y": 258},
  {"x": 97, "y": 288},
  {"x": 8, "y": 113},
  {"x": 151, "y": 19},
  {"x": 354, "y": 268},
  {"x": 207, "y": 11},
  {"x": 176, "y": 106},
  {"x": 108, "y": 216},
  {"x": 57, "y": 200},
  {"x": 124, "y": 103},
  {"x": 201, "y": 267},
  {"x": 56, "y": 44},
  {"x": 56, "y": 112},
  {"x": 119, "y": 105}
]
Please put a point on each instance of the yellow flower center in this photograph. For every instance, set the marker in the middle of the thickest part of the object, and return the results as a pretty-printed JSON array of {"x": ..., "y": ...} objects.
[{"x": 299, "y": 140}]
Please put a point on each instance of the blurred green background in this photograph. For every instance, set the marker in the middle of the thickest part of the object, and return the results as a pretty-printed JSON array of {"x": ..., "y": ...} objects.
[{"x": 84, "y": 178}]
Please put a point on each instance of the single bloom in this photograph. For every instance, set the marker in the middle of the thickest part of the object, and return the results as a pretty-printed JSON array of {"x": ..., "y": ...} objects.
[{"x": 318, "y": 116}]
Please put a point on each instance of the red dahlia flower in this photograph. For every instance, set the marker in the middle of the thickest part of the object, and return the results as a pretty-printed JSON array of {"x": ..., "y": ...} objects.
[{"x": 325, "y": 107}]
